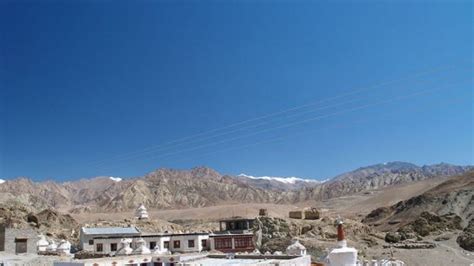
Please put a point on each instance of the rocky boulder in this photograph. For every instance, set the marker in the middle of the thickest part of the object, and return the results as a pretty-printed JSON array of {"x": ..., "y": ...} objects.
[
  {"x": 466, "y": 238},
  {"x": 428, "y": 223},
  {"x": 393, "y": 237}
]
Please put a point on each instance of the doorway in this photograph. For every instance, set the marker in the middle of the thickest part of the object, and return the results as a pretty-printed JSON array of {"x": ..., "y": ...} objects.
[{"x": 20, "y": 245}]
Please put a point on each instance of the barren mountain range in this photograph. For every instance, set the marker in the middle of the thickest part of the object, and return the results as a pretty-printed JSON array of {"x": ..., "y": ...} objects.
[
  {"x": 453, "y": 196},
  {"x": 201, "y": 186}
]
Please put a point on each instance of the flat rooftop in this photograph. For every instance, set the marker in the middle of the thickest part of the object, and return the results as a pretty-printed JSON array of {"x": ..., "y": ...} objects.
[{"x": 110, "y": 230}]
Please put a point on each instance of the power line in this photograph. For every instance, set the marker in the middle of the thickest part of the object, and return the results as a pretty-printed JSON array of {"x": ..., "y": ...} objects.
[
  {"x": 259, "y": 124},
  {"x": 184, "y": 140},
  {"x": 296, "y": 123}
]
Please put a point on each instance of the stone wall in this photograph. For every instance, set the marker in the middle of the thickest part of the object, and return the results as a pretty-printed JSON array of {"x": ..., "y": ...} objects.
[
  {"x": 311, "y": 214},
  {"x": 8, "y": 238},
  {"x": 296, "y": 214}
]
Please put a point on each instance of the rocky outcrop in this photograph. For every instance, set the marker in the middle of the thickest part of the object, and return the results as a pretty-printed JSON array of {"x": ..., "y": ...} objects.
[
  {"x": 273, "y": 234},
  {"x": 428, "y": 223},
  {"x": 48, "y": 222},
  {"x": 466, "y": 238},
  {"x": 448, "y": 205}
]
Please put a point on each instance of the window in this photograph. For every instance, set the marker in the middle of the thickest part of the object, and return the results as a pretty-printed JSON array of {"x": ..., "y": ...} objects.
[
  {"x": 204, "y": 243},
  {"x": 243, "y": 242},
  {"x": 176, "y": 244},
  {"x": 152, "y": 245},
  {"x": 113, "y": 247},
  {"x": 99, "y": 247},
  {"x": 166, "y": 244},
  {"x": 91, "y": 242},
  {"x": 190, "y": 243},
  {"x": 222, "y": 243}
]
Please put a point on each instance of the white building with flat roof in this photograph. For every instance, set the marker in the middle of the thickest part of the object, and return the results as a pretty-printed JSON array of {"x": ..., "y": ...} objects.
[
  {"x": 109, "y": 241},
  {"x": 90, "y": 235}
]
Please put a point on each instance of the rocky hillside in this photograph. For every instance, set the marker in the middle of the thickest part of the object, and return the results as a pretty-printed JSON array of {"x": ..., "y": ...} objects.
[
  {"x": 447, "y": 207},
  {"x": 454, "y": 196},
  {"x": 378, "y": 176},
  {"x": 201, "y": 186},
  {"x": 163, "y": 188},
  {"x": 48, "y": 222}
]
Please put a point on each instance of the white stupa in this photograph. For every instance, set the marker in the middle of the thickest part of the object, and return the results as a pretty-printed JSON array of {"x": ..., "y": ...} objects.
[
  {"x": 64, "y": 247},
  {"x": 42, "y": 243},
  {"x": 342, "y": 255},
  {"x": 141, "y": 212},
  {"x": 52, "y": 246},
  {"x": 141, "y": 249},
  {"x": 296, "y": 249},
  {"x": 161, "y": 251},
  {"x": 125, "y": 248}
]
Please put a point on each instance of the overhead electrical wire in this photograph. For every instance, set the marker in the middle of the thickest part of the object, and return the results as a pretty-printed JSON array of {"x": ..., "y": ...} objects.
[
  {"x": 191, "y": 138},
  {"x": 419, "y": 92},
  {"x": 259, "y": 124}
]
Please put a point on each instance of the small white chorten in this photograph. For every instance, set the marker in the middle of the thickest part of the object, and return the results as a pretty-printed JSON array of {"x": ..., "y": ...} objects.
[
  {"x": 64, "y": 247},
  {"x": 141, "y": 249},
  {"x": 296, "y": 249},
  {"x": 160, "y": 251},
  {"x": 42, "y": 243},
  {"x": 52, "y": 246},
  {"x": 141, "y": 212},
  {"x": 125, "y": 248},
  {"x": 342, "y": 255}
]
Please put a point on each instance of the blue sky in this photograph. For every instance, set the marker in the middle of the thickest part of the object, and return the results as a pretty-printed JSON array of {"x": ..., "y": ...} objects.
[{"x": 107, "y": 88}]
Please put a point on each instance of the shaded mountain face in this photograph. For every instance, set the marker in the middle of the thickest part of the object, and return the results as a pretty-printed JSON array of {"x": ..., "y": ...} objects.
[
  {"x": 201, "y": 186},
  {"x": 455, "y": 196}
]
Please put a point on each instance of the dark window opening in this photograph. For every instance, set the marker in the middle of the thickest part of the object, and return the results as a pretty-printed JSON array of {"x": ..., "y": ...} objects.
[
  {"x": 21, "y": 245},
  {"x": 152, "y": 245},
  {"x": 190, "y": 243},
  {"x": 113, "y": 247},
  {"x": 176, "y": 244},
  {"x": 99, "y": 248}
]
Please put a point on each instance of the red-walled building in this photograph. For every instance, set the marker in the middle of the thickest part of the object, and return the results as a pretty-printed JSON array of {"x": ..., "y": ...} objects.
[{"x": 235, "y": 235}]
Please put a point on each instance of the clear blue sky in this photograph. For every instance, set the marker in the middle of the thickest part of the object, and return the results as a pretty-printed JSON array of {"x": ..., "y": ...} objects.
[{"x": 88, "y": 87}]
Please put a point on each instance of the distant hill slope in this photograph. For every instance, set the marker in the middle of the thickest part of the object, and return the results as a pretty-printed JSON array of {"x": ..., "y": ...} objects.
[
  {"x": 454, "y": 196},
  {"x": 379, "y": 176},
  {"x": 201, "y": 186}
]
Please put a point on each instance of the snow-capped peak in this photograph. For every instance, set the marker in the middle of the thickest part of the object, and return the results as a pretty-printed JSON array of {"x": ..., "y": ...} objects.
[
  {"x": 115, "y": 179},
  {"x": 2, "y": 181},
  {"x": 286, "y": 180}
]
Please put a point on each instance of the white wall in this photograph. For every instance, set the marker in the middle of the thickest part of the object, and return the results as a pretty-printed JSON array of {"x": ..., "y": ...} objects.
[
  {"x": 158, "y": 239},
  {"x": 184, "y": 243}
]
